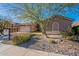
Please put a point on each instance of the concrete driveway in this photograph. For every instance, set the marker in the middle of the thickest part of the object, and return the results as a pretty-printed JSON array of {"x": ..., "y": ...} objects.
[{"x": 10, "y": 50}]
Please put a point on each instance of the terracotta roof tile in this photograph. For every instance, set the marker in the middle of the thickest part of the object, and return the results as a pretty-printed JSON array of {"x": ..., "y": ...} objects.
[
  {"x": 65, "y": 18},
  {"x": 76, "y": 24}
]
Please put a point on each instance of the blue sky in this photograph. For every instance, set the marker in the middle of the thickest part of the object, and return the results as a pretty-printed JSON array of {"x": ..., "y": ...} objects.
[{"x": 7, "y": 13}]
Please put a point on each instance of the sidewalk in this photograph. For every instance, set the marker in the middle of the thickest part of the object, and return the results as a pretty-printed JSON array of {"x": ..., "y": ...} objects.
[{"x": 10, "y": 50}]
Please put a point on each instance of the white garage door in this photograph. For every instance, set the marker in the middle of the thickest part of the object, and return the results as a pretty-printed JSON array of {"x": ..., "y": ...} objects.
[{"x": 25, "y": 29}]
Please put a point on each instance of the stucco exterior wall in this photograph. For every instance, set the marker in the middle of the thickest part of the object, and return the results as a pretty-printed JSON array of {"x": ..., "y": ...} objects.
[{"x": 64, "y": 23}]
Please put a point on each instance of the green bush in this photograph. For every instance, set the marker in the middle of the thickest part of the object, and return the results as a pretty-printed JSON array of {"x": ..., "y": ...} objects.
[
  {"x": 21, "y": 39},
  {"x": 68, "y": 35}
]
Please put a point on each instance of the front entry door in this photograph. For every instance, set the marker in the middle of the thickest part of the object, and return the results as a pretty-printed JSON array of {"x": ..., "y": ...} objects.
[{"x": 55, "y": 26}]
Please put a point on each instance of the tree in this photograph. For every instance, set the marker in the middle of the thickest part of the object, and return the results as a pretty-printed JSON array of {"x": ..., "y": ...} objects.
[
  {"x": 4, "y": 23},
  {"x": 36, "y": 12}
]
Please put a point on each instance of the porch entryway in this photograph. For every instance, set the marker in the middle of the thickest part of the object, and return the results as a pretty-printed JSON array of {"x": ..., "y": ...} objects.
[{"x": 55, "y": 27}]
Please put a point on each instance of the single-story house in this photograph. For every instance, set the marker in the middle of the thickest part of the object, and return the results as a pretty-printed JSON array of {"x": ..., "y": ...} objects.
[
  {"x": 54, "y": 23},
  {"x": 24, "y": 28}
]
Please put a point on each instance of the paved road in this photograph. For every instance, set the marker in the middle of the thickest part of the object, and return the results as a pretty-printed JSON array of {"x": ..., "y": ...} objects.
[{"x": 10, "y": 50}]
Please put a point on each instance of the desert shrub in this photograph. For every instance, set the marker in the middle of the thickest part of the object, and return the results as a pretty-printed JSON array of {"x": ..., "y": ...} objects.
[
  {"x": 51, "y": 41},
  {"x": 21, "y": 39},
  {"x": 70, "y": 37},
  {"x": 68, "y": 33},
  {"x": 72, "y": 34}
]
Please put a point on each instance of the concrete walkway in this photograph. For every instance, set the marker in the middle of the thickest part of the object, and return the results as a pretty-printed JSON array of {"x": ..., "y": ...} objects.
[{"x": 10, "y": 50}]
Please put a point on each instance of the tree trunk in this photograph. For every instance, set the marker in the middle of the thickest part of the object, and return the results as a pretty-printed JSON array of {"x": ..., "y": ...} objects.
[{"x": 43, "y": 29}]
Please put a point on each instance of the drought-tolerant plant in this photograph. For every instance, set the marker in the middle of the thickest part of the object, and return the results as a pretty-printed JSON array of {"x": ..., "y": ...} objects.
[
  {"x": 21, "y": 39},
  {"x": 51, "y": 41},
  {"x": 68, "y": 35}
]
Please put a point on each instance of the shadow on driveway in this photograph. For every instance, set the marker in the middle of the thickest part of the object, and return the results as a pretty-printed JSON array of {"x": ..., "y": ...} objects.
[{"x": 29, "y": 43}]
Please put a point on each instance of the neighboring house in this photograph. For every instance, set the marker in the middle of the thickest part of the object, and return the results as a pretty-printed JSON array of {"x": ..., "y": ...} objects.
[
  {"x": 24, "y": 27},
  {"x": 54, "y": 23},
  {"x": 75, "y": 28},
  {"x": 58, "y": 23},
  {"x": 75, "y": 24}
]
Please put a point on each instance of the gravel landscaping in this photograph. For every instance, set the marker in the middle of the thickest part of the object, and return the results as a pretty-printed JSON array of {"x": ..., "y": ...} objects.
[{"x": 66, "y": 47}]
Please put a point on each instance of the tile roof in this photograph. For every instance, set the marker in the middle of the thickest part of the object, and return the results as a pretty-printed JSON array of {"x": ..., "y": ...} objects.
[
  {"x": 75, "y": 24},
  {"x": 60, "y": 16}
]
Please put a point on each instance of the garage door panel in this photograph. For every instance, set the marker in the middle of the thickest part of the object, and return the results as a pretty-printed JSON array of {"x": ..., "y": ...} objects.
[{"x": 25, "y": 29}]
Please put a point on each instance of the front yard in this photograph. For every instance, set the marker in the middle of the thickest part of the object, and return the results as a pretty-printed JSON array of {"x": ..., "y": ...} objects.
[
  {"x": 38, "y": 42},
  {"x": 66, "y": 47}
]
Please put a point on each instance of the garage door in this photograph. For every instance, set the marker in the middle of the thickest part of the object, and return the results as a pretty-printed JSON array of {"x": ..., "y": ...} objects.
[{"x": 25, "y": 29}]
